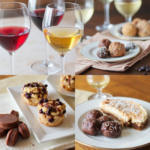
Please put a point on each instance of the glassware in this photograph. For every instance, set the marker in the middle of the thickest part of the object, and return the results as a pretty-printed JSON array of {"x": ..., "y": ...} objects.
[
  {"x": 15, "y": 27},
  {"x": 106, "y": 25},
  {"x": 37, "y": 10},
  {"x": 128, "y": 8},
  {"x": 98, "y": 82},
  {"x": 64, "y": 32},
  {"x": 87, "y": 10}
]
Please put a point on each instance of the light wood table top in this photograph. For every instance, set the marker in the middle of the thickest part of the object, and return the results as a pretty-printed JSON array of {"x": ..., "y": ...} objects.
[{"x": 120, "y": 85}]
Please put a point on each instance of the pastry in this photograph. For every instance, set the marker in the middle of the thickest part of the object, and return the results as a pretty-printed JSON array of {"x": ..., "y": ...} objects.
[
  {"x": 105, "y": 118},
  {"x": 8, "y": 121},
  {"x": 13, "y": 112},
  {"x": 117, "y": 49},
  {"x": 129, "y": 29},
  {"x": 2, "y": 132},
  {"x": 91, "y": 126},
  {"x": 111, "y": 129},
  {"x": 103, "y": 52},
  {"x": 51, "y": 112},
  {"x": 93, "y": 114},
  {"x": 130, "y": 46},
  {"x": 33, "y": 92},
  {"x": 143, "y": 28},
  {"x": 12, "y": 137},
  {"x": 104, "y": 42},
  {"x": 136, "y": 21},
  {"x": 68, "y": 82},
  {"x": 23, "y": 130},
  {"x": 127, "y": 112}
]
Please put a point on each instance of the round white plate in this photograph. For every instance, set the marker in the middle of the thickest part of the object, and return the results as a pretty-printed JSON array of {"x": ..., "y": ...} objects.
[
  {"x": 129, "y": 139},
  {"x": 90, "y": 52},
  {"x": 54, "y": 80},
  {"x": 115, "y": 32}
]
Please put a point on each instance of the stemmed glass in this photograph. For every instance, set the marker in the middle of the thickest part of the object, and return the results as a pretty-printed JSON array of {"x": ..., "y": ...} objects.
[
  {"x": 15, "y": 27},
  {"x": 98, "y": 82},
  {"x": 128, "y": 8},
  {"x": 107, "y": 24},
  {"x": 37, "y": 10},
  {"x": 63, "y": 27}
]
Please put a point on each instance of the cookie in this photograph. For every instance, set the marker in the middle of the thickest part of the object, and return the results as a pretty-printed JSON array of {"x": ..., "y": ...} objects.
[
  {"x": 23, "y": 130},
  {"x": 2, "y": 132},
  {"x": 136, "y": 21},
  {"x": 13, "y": 112}
]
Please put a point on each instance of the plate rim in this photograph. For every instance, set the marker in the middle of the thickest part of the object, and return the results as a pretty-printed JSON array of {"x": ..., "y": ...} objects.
[{"x": 108, "y": 142}]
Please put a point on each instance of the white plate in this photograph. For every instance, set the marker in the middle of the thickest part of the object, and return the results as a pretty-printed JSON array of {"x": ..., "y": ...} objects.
[
  {"x": 55, "y": 82},
  {"x": 90, "y": 52},
  {"x": 129, "y": 139},
  {"x": 115, "y": 32},
  {"x": 42, "y": 132}
]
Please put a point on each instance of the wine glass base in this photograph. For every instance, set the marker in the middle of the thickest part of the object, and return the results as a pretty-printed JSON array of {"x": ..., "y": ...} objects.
[
  {"x": 104, "y": 27},
  {"x": 52, "y": 68},
  {"x": 96, "y": 96}
]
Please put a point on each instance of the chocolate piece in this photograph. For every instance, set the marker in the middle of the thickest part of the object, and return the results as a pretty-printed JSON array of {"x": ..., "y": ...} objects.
[
  {"x": 104, "y": 42},
  {"x": 91, "y": 126},
  {"x": 23, "y": 130},
  {"x": 8, "y": 121},
  {"x": 93, "y": 114},
  {"x": 2, "y": 132},
  {"x": 111, "y": 129},
  {"x": 105, "y": 118},
  {"x": 13, "y": 112},
  {"x": 130, "y": 46},
  {"x": 103, "y": 52},
  {"x": 12, "y": 137}
]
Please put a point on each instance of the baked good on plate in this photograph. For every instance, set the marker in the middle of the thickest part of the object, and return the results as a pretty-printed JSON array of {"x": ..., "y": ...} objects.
[
  {"x": 68, "y": 82},
  {"x": 33, "y": 92},
  {"x": 51, "y": 112},
  {"x": 104, "y": 42},
  {"x": 93, "y": 114},
  {"x": 127, "y": 112},
  {"x": 103, "y": 52},
  {"x": 136, "y": 21},
  {"x": 105, "y": 118}
]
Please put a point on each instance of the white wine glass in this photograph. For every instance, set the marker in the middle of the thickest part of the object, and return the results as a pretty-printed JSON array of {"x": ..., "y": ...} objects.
[
  {"x": 128, "y": 8},
  {"x": 63, "y": 32},
  {"x": 98, "y": 82},
  {"x": 106, "y": 25}
]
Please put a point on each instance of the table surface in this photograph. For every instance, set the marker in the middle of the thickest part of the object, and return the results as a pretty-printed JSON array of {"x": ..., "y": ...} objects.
[
  {"x": 115, "y": 18},
  {"x": 125, "y": 86}
]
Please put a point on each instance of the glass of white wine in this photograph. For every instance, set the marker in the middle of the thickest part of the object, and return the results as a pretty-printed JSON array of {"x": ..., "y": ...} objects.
[
  {"x": 128, "y": 8},
  {"x": 64, "y": 30},
  {"x": 106, "y": 25},
  {"x": 98, "y": 82}
]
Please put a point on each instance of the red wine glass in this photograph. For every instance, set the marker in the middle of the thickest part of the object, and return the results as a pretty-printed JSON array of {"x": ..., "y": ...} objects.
[
  {"x": 37, "y": 10},
  {"x": 15, "y": 27}
]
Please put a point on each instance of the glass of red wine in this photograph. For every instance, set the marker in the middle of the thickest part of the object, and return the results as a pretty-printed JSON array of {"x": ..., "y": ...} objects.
[
  {"x": 15, "y": 27},
  {"x": 37, "y": 10}
]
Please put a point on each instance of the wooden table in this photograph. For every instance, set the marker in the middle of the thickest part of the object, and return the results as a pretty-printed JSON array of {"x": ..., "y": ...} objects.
[
  {"x": 126, "y": 86},
  {"x": 115, "y": 18}
]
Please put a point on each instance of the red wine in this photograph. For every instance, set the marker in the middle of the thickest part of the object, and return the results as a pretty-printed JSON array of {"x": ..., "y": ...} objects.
[
  {"x": 12, "y": 38},
  {"x": 37, "y": 17}
]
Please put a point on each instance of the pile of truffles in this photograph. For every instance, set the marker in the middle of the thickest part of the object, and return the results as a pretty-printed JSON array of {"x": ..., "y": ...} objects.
[{"x": 97, "y": 122}]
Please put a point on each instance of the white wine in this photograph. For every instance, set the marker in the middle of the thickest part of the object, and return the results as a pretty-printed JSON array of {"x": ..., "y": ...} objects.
[
  {"x": 63, "y": 39},
  {"x": 105, "y": 1},
  {"x": 128, "y": 8},
  {"x": 87, "y": 14},
  {"x": 98, "y": 81}
]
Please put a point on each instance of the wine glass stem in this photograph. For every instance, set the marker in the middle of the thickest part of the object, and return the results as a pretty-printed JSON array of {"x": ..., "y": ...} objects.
[
  {"x": 106, "y": 13},
  {"x": 12, "y": 62},
  {"x": 62, "y": 64},
  {"x": 99, "y": 92},
  {"x": 128, "y": 19}
]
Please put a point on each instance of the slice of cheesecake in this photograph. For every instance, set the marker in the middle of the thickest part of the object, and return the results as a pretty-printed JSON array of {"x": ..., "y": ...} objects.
[{"x": 127, "y": 112}]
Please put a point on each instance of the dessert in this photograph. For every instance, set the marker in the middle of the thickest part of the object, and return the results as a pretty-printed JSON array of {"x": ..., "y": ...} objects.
[
  {"x": 93, "y": 114},
  {"x": 91, "y": 126},
  {"x": 117, "y": 49},
  {"x": 23, "y": 130},
  {"x": 33, "y": 92},
  {"x": 136, "y": 21},
  {"x": 129, "y": 29},
  {"x": 127, "y": 112},
  {"x": 111, "y": 129},
  {"x": 130, "y": 46},
  {"x": 12, "y": 137},
  {"x": 51, "y": 112},
  {"x": 143, "y": 28},
  {"x": 104, "y": 118},
  {"x": 104, "y": 42},
  {"x": 2, "y": 132},
  {"x": 8, "y": 121},
  {"x": 103, "y": 52},
  {"x": 13, "y": 112},
  {"x": 68, "y": 82}
]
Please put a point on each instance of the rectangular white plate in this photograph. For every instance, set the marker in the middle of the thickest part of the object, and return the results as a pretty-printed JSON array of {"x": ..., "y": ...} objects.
[{"x": 42, "y": 132}]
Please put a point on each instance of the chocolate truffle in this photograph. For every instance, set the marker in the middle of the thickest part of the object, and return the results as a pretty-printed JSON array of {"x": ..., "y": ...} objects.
[
  {"x": 104, "y": 42},
  {"x": 93, "y": 114},
  {"x": 105, "y": 118},
  {"x": 103, "y": 52}
]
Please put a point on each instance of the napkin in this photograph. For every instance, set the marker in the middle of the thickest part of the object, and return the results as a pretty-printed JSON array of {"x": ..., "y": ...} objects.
[{"x": 83, "y": 64}]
